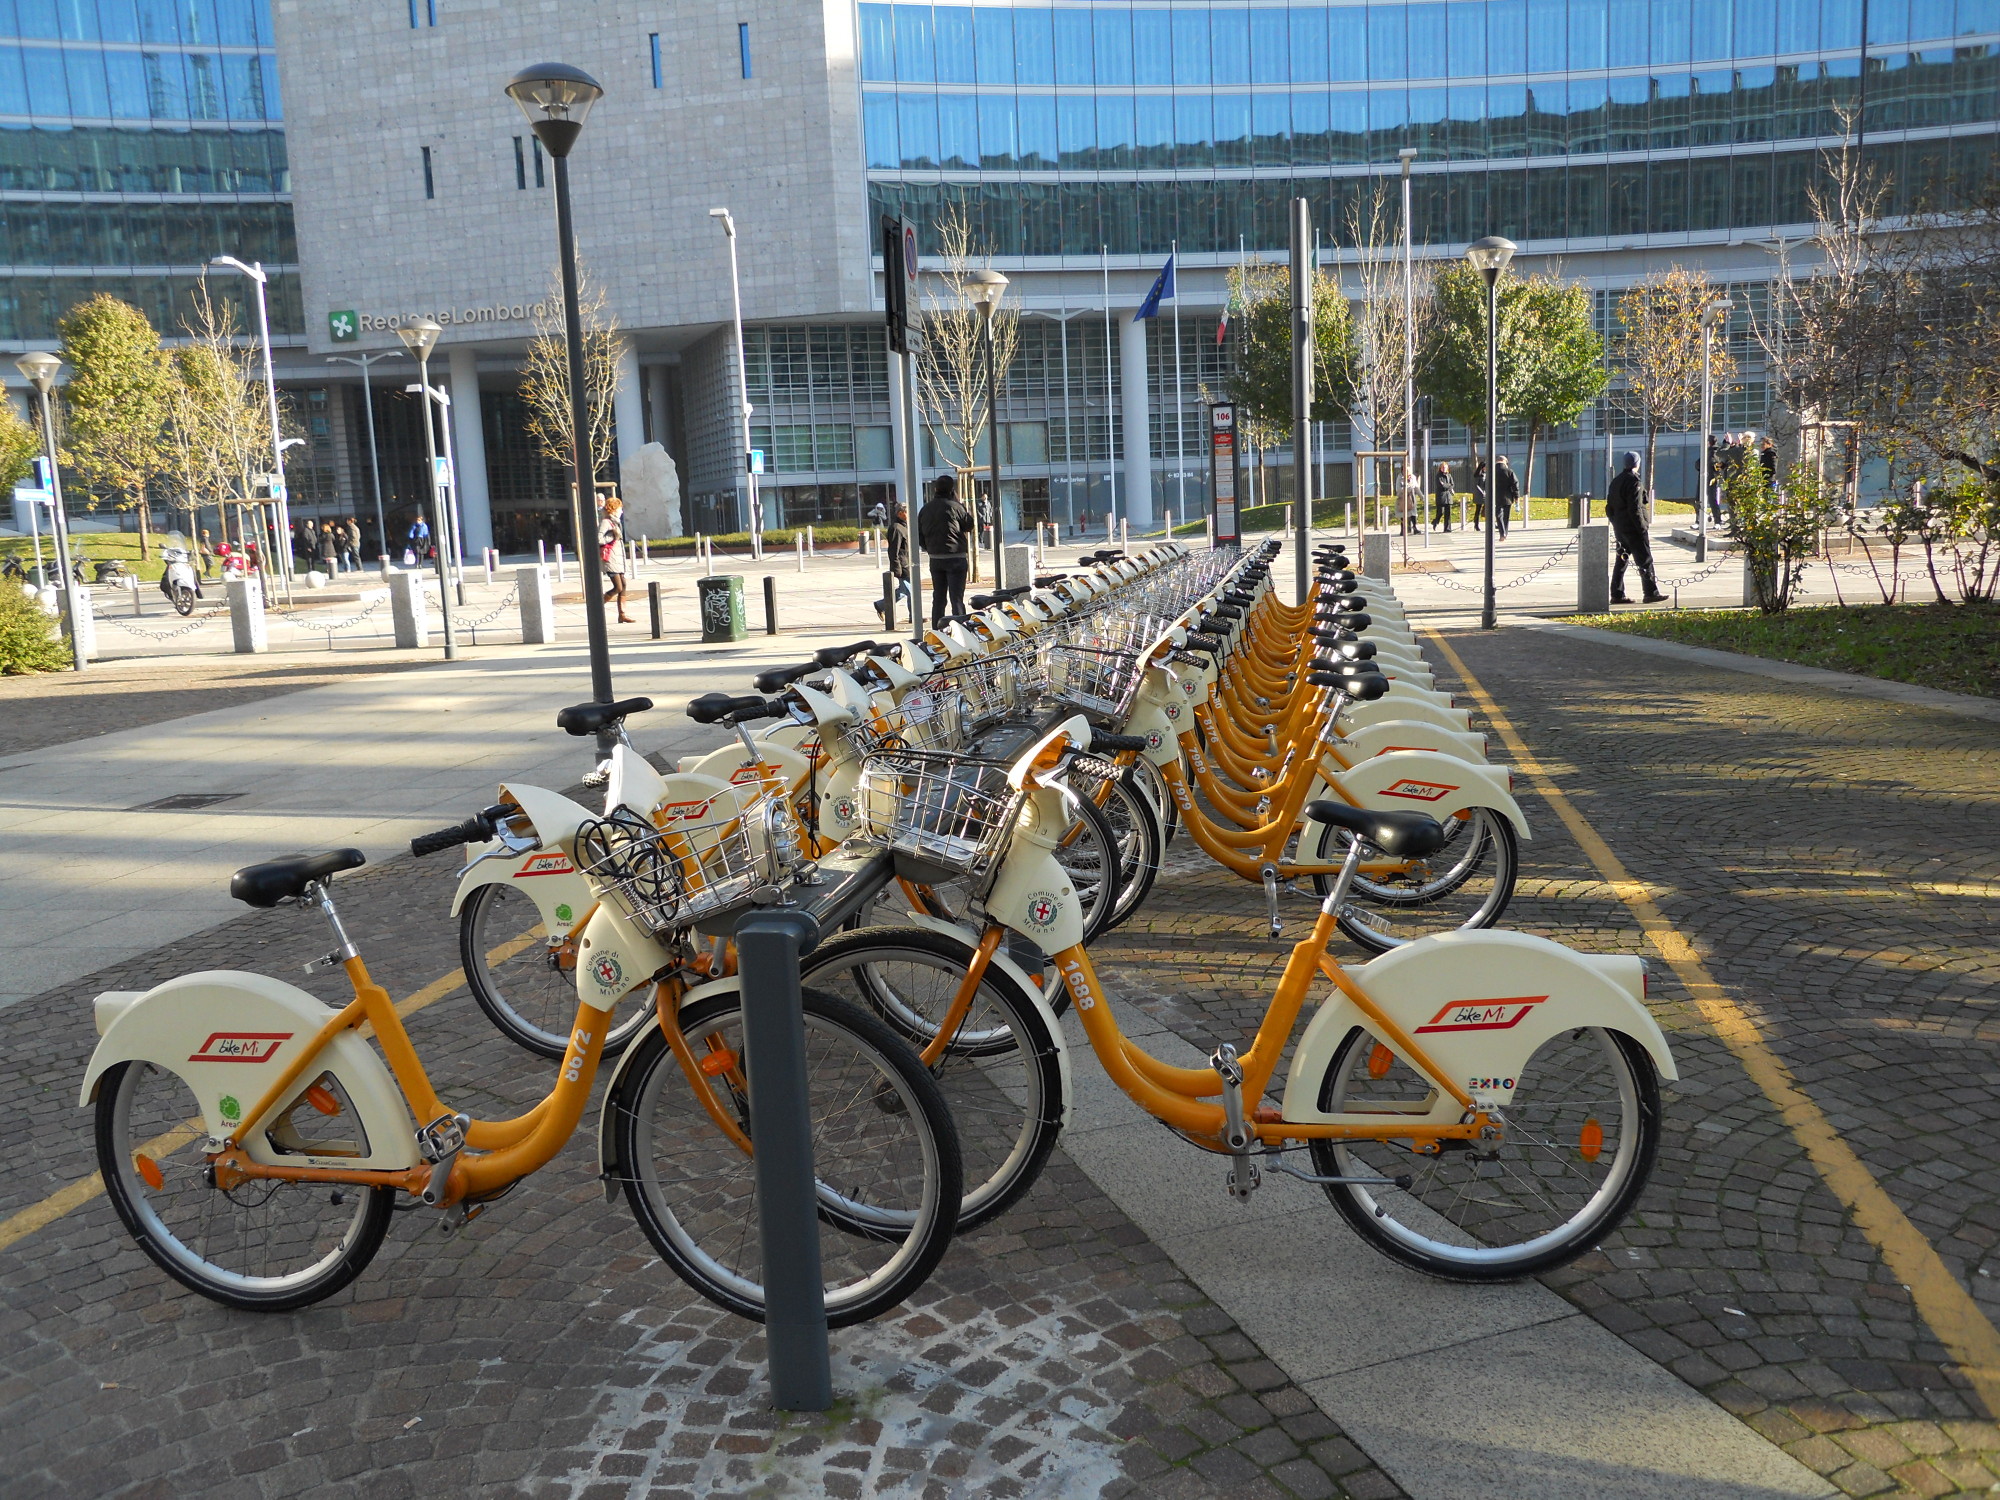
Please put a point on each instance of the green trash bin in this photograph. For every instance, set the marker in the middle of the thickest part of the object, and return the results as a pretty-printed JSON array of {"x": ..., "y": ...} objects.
[{"x": 721, "y": 607}]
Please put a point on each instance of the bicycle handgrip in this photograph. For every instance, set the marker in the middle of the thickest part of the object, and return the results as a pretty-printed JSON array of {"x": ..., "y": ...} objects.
[
  {"x": 1104, "y": 740},
  {"x": 1196, "y": 641},
  {"x": 474, "y": 830},
  {"x": 771, "y": 679},
  {"x": 833, "y": 656},
  {"x": 758, "y": 708}
]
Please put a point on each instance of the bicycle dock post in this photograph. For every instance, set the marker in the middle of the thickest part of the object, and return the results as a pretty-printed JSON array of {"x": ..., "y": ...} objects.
[{"x": 769, "y": 944}]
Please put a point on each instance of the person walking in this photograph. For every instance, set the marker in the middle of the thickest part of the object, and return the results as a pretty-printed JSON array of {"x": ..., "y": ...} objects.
[
  {"x": 1767, "y": 455},
  {"x": 611, "y": 552},
  {"x": 1479, "y": 493},
  {"x": 1441, "y": 496},
  {"x": 205, "y": 550},
  {"x": 1623, "y": 508},
  {"x": 352, "y": 543},
  {"x": 1506, "y": 490},
  {"x": 1412, "y": 501},
  {"x": 329, "y": 549},
  {"x": 420, "y": 542},
  {"x": 899, "y": 559},
  {"x": 944, "y": 528},
  {"x": 1715, "y": 451}
]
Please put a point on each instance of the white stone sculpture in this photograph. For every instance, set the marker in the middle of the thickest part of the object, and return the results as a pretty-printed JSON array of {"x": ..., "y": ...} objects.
[{"x": 651, "y": 488}]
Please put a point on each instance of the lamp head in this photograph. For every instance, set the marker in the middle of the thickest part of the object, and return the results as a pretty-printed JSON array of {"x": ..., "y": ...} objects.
[
  {"x": 231, "y": 263},
  {"x": 40, "y": 367},
  {"x": 556, "y": 99},
  {"x": 728, "y": 223},
  {"x": 1715, "y": 313},
  {"x": 985, "y": 288},
  {"x": 1490, "y": 255},
  {"x": 421, "y": 336}
]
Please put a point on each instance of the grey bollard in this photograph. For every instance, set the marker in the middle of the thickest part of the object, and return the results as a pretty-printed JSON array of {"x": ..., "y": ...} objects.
[
  {"x": 769, "y": 945},
  {"x": 1593, "y": 569},
  {"x": 406, "y": 602},
  {"x": 246, "y": 616},
  {"x": 1376, "y": 548},
  {"x": 653, "y": 607},
  {"x": 538, "y": 607},
  {"x": 82, "y": 621},
  {"x": 1017, "y": 566}
]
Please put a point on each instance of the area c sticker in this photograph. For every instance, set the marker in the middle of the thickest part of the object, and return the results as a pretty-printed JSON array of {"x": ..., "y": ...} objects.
[
  {"x": 240, "y": 1046},
  {"x": 1419, "y": 791},
  {"x": 1482, "y": 1015},
  {"x": 546, "y": 864}
]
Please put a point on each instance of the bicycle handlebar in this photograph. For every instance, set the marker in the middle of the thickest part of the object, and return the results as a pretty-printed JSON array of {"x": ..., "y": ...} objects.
[{"x": 474, "y": 830}]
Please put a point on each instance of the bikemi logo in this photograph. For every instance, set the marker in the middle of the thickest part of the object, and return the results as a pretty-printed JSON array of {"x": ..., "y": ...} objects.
[
  {"x": 1482, "y": 1015},
  {"x": 240, "y": 1046},
  {"x": 546, "y": 864},
  {"x": 1419, "y": 791}
]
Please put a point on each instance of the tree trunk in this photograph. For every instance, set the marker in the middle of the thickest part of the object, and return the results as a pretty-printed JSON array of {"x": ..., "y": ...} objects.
[
  {"x": 1648, "y": 490},
  {"x": 1528, "y": 473},
  {"x": 144, "y": 536}
]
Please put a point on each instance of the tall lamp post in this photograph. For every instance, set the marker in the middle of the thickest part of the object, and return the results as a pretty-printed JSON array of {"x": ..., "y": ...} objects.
[
  {"x": 420, "y": 338},
  {"x": 756, "y": 516},
  {"x": 374, "y": 460},
  {"x": 1712, "y": 317},
  {"x": 985, "y": 289},
  {"x": 1489, "y": 257},
  {"x": 40, "y": 367},
  {"x": 556, "y": 99},
  {"x": 281, "y": 499},
  {"x": 1407, "y": 155}
]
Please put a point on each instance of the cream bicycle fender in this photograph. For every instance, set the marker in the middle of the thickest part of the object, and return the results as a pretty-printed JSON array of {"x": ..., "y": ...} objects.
[
  {"x": 1370, "y": 740},
  {"x": 839, "y": 805},
  {"x": 1402, "y": 689},
  {"x": 555, "y": 817},
  {"x": 787, "y": 732},
  {"x": 633, "y": 782},
  {"x": 1002, "y": 961},
  {"x": 1032, "y": 895},
  {"x": 777, "y": 762},
  {"x": 614, "y": 958},
  {"x": 229, "y": 1036},
  {"x": 1160, "y": 724},
  {"x": 1406, "y": 709},
  {"x": 1426, "y": 782},
  {"x": 610, "y": 1170},
  {"x": 547, "y": 877},
  {"x": 1396, "y": 671},
  {"x": 1479, "y": 1003},
  {"x": 1387, "y": 651}
]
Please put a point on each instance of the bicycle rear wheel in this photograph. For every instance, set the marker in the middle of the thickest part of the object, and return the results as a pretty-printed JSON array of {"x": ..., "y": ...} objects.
[
  {"x": 884, "y": 1150},
  {"x": 530, "y": 993},
  {"x": 1576, "y": 1147},
  {"x": 263, "y": 1246},
  {"x": 1468, "y": 883},
  {"x": 1001, "y": 1073}
]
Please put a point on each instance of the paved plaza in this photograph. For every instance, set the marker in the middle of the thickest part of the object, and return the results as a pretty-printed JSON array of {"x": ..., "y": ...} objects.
[{"x": 1825, "y": 857}]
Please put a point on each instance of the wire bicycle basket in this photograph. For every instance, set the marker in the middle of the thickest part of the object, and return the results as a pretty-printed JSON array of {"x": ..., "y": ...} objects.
[
  {"x": 949, "y": 812},
  {"x": 1095, "y": 680},
  {"x": 698, "y": 861}
]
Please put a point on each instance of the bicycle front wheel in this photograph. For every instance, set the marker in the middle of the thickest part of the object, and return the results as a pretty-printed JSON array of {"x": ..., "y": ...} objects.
[
  {"x": 526, "y": 987},
  {"x": 884, "y": 1153},
  {"x": 1572, "y": 1157},
  {"x": 1000, "y": 1072},
  {"x": 263, "y": 1246}
]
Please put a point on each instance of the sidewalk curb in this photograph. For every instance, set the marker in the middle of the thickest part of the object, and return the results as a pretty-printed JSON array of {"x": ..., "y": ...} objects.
[{"x": 1963, "y": 704}]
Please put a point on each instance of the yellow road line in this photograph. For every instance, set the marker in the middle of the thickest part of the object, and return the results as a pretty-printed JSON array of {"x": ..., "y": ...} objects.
[
  {"x": 1958, "y": 1321},
  {"x": 19, "y": 1226}
]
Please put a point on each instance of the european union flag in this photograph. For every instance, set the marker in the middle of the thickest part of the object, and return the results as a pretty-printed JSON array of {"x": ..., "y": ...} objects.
[{"x": 1163, "y": 286}]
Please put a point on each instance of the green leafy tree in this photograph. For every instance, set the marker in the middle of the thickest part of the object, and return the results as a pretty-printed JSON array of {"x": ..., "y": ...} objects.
[
  {"x": 19, "y": 443},
  {"x": 1260, "y": 380},
  {"x": 1563, "y": 358},
  {"x": 1778, "y": 528},
  {"x": 1451, "y": 364},
  {"x": 1661, "y": 353},
  {"x": 115, "y": 402}
]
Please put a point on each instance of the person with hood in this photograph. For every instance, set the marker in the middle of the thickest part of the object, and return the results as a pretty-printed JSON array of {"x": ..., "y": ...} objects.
[
  {"x": 1624, "y": 508},
  {"x": 944, "y": 531},
  {"x": 1506, "y": 490},
  {"x": 899, "y": 558},
  {"x": 1441, "y": 496}
]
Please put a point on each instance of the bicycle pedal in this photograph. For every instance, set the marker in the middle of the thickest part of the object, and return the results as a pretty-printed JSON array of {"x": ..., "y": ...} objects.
[
  {"x": 1270, "y": 875},
  {"x": 1243, "y": 1178},
  {"x": 1374, "y": 921},
  {"x": 330, "y": 961}
]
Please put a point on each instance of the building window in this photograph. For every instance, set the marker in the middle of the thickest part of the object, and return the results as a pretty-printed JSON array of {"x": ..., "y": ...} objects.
[
  {"x": 423, "y": 13},
  {"x": 536, "y": 146},
  {"x": 520, "y": 166},
  {"x": 653, "y": 44},
  {"x": 430, "y": 183},
  {"x": 743, "y": 45}
]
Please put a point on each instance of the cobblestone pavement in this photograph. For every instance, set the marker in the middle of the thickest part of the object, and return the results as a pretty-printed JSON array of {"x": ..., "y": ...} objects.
[
  {"x": 544, "y": 1351},
  {"x": 1834, "y": 861}
]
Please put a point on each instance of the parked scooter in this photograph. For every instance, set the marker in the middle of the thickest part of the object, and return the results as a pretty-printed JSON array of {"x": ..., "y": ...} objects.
[{"x": 179, "y": 582}]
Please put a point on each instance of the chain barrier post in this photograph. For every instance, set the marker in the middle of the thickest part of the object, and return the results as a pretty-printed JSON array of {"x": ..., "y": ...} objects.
[
  {"x": 770, "y": 604},
  {"x": 246, "y": 616},
  {"x": 408, "y": 605},
  {"x": 653, "y": 605},
  {"x": 1593, "y": 569},
  {"x": 538, "y": 605},
  {"x": 769, "y": 945}
]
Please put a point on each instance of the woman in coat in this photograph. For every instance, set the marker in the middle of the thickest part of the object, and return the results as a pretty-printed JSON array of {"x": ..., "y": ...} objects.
[{"x": 611, "y": 552}]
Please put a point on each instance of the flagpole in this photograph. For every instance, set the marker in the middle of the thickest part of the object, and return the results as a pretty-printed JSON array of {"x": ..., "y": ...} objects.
[
  {"x": 1180, "y": 396},
  {"x": 1110, "y": 364}
]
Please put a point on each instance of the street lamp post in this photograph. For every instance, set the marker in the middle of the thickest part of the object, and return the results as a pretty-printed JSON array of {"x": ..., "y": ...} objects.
[
  {"x": 756, "y": 517},
  {"x": 556, "y": 99},
  {"x": 281, "y": 499},
  {"x": 374, "y": 460},
  {"x": 1407, "y": 155},
  {"x": 452, "y": 539},
  {"x": 1489, "y": 257},
  {"x": 985, "y": 288},
  {"x": 1712, "y": 317},
  {"x": 420, "y": 337},
  {"x": 40, "y": 368}
]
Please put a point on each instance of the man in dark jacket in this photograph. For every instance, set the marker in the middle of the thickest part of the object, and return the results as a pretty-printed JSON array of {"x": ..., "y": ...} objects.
[
  {"x": 1441, "y": 496},
  {"x": 1506, "y": 490},
  {"x": 944, "y": 527},
  {"x": 1623, "y": 507},
  {"x": 899, "y": 557}
]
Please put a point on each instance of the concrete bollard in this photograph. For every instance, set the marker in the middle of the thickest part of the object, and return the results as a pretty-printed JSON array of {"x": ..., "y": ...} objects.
[
  {"x": 410, "y": 609},
  {"x": 559, "y": 563},
  {"x": 1593, "y": 569},
  {"x": 1749, "y": 584},
  {"x": 246, "y": 616},
  {"x": 1376, "y": 548},
  {"x": 799, "y": 547},
  {"x": 538, "y": 607},
  {"x": 1017, "y": 566}
]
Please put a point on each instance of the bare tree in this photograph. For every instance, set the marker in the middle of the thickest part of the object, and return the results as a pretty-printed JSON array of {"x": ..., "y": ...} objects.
[
  {"x": 1381, "y": 352},
  {"x": 951, "y": 365},
  {"x": 219, "y": 430},
  {"x": 545, "y": 378},
  {"x": 1661, "y": 353}
]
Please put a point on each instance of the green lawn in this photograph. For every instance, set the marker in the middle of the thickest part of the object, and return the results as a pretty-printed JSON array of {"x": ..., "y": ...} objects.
[
  {"x": 95, "y": 546},
  {"x": 1951, "y": 646}
]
